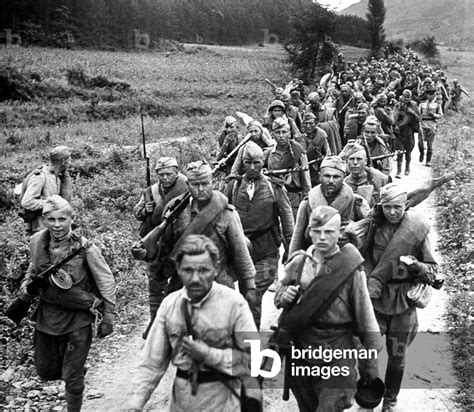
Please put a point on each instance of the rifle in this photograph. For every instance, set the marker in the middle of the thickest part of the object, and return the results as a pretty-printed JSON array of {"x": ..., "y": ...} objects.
[
  {"x": 271, "y": 83},
  {"x": 395, "y": 153},
  {"x": 18, "y": 309},
  {"x": 146, "y": 248},
  {"x": 367, "y": 150},
  {"x": 148, "y": 174},
  {"x": 277, "y": 172}
]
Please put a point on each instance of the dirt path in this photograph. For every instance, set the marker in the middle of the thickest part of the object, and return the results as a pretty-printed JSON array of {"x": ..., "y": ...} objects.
[{"x": 428, "y": 384}]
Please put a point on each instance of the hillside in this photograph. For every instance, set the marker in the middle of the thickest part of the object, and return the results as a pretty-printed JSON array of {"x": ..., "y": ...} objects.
[{"x": 449, "y": 21}]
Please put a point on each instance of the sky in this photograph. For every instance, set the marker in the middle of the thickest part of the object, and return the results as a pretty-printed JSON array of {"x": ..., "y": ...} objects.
[{"x": 337, "y": 4}]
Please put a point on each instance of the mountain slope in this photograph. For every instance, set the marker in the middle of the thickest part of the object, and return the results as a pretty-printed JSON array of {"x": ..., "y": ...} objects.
[{"x": 450, "y": 21}]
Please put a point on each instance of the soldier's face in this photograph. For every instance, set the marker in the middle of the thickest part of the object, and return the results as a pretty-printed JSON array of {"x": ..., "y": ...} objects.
[
  {"x": 58, "y": 222},
  {"x": 356, "y": 163},
  {"x": 282, "y": 135},
  {"x": 370, "y": 132},
  {"x": 325, "y": 237},
  {"x": 394, "y": 210},
  {"x": 197, "y": 272},
  {"x": 255, "y": 132},
  {"x": 253, "y": 167},
  {"x": 331, "y": 181},
  {"x": 277, "y": 112},
  {"x": 167, "y": 176},
  {"x": 309, "y": 126},
  {"x": 201, "y": 189}
]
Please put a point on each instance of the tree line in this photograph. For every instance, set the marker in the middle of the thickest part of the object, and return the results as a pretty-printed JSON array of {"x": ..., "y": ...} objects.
[{"x": 110, "y": 23}]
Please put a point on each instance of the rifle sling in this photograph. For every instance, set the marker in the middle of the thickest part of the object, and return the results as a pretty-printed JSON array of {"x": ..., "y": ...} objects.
[{"x": 324, "y": 289}]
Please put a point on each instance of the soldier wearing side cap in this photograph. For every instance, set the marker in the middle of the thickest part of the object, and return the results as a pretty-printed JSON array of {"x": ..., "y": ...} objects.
[
  {"x": 326, "y": 120},
  {"x": 314, "y": 141},
  {"x": 171, "y": 183},
  {"x": 209, "y": 213},
  {"x": 340, "y": 272},
  {"x": 149, "y": 209},
  {"x": 288, "y": 154},
  {"x": 389, "y": 234},
  {"x": 48, "y": 180},
  {"x": 331, "y": 192},
  {"x": 364, "y": 180},
  {"x": 264, "y": 207},
  {"x": 64, "y": 317}
]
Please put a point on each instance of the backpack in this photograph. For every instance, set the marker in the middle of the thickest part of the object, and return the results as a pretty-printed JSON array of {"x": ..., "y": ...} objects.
[{"x": 27, "y": 215}]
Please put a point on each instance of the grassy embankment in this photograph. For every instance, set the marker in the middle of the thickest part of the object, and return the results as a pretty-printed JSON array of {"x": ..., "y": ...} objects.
[{"x": 453, "y": 152}]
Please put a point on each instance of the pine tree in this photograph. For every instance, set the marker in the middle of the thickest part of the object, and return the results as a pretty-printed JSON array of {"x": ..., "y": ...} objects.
[{"x": 376, "y": 18}]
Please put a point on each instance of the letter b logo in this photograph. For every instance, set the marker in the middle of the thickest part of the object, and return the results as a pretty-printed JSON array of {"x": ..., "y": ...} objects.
[{"x": 256, "y": 358}]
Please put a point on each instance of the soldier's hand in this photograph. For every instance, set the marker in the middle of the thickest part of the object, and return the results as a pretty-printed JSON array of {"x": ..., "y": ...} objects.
[
  {"x": 412, "y": 263},
  {"x": 251, "y": 297},
  {"x": 149, "y": 207},
  {"x": 290, "y": 294},
  {"x": 104, "y": 330},
  {"x": 369, "y": 374},
  {"x": 138, "y": 252},
  {"x": 197, "y": 349}
]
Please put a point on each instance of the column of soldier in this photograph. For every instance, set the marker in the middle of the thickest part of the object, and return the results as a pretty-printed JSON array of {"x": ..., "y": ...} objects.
[{"x": 313, "y": 179}]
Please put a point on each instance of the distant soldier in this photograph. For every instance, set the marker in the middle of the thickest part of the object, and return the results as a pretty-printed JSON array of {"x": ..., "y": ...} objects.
[
  {"x": 430, "y": 111},
  {"x": 45, "y": 181},
  {"x": 342, "y": 104},
  {"x": 456, "y": 94},
  {"x": 149, "y": 209},
  {"x": 314, "y": 141},
  {"x": 288, "y": 154},
  {"x": 326, "y": 120},
  {"x": 407, "y": 118},
  {"x": 263, "y": 207},
  {"x": 291, "y": 111}
]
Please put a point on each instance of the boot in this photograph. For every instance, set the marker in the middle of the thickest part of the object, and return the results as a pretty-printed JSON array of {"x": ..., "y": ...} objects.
[
  {"x": 74, "y": 402},
  {"x": 407, "y": 167},
  {"x": 393, "y": 382},
  {"x": 428, "y": 157},
  {"x": 399, "y": 170}
]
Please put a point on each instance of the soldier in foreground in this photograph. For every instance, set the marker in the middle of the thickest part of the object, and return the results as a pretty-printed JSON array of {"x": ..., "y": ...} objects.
[
  {"x": 310, "y": 277},
  {"x": 64, "y": 318},
  {"x": 200, "y": 329},
  {"x": 43, "y": 182},
  {"x": 392, "y": 236}
]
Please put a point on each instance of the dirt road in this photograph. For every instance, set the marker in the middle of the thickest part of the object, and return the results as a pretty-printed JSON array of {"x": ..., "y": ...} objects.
[{"x": 428, "y": 383}]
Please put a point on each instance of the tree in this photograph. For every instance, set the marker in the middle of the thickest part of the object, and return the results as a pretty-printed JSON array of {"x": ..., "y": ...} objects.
[
  {"x": 375, "y": 19},
  {"x": 312, "y": 27}
]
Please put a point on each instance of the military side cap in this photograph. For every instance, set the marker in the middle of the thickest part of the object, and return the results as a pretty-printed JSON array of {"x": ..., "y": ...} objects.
[
  {"x": 321, "y": 215},
  {"x": 279, "y": 123},
  {"x": 392, "y": 191},
  {"x": 335, "y": 162},
  {"x": 59, "y": 153},
  {"x": 276, "y": 103},
  {"x": 198, "y": 170},
  {"x": 309, "y": 116},
  {"x": 352, "y": 148},
  {"x": 163, "y": 162},
  {"x": 53, "y": 203}
]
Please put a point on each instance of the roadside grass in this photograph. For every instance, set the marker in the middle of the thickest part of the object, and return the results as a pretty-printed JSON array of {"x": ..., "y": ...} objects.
[{"x": 454, "y": 149}]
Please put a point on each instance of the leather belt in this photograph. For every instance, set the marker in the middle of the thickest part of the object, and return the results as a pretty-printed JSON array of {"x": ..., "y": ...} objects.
[{"x": 203, "y": 376}]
